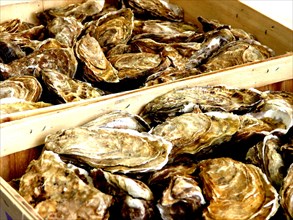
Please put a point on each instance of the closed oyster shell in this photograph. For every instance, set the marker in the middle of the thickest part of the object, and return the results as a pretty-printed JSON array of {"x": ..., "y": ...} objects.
[
  {"x": 286, "y": 193},
  {"x": 7, "y": 107},
  {"x": 10, "y": 51},
  {"x": 116, "y": 150},
  {"x": 182, "y": 198},
  {"x": 118, "y": 119},
  {"x": 197, "y": 133},
  {"x": 65, "y": 29},
  {"x": 21, "y": 87},
  {"x": 157, "y": 8},
  {"x": 236, "y": 190},
  {"x": 265, "y": 154},
  {"x": 80, "y": 11},
  {"x": 112, "y": 28},
  {"x": 237, "y": 53},
  {"x": 135, "y": 65},
  {"x": 60, "y": 59},
  {"x": 67, "y": 89},
  {"x": 96, "y": 66},
  {"x": 277, "y": 110},
  {"x": 56, "y": 190},
  {"x": 206, "y": 98}
]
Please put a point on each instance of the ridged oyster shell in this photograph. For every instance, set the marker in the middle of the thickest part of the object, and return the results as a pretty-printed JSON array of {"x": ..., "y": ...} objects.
[
  {"x": 200, "y": 99},
  {"x": 67, "y": 89},
  {"x": 236, "y": 190},
  {"x": 21, "y": 87},
  {"x": 286, "y": 193},
  {"x": 59, "y": 190},
  {"x": 116, "y": 150}
]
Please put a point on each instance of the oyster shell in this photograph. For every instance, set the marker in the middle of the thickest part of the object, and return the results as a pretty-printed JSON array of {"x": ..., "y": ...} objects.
[
  {"x": 67, "y": 89},
  {"x": 236, "y": 190},
  {"x": 80, "y": 11},
  {"x": 115, "y": 150},
  {"x": 57, "y": 190},
  {"x": 157, "y": 8},
  {"x": 60, "y": 59},
  {"x": 112, "y": 29},
  {"x": 8, "y": 106},
  {"x": 237, "y": 53},
  {"x": 197, "y": 133},
  {"x": 277, "y": 110},
  {"x": 96, "y": 66},
  {"x": 10, "y": 51},
  {"x": 286, "y": 193},
  {"x": 21, "y": 87},
  {"x": 135, "y": 65},
  {"x": 65, "y": 29},
  {"x": 265, "y": 155},
  {"x": 206, "y": 98},
  {"x": 118, "y": 119},
  {"x": 182, "y": 198}
]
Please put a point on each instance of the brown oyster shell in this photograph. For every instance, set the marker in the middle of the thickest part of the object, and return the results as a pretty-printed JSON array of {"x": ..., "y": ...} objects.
[
  {"x": 120, "y": 120},
  {"x": 27, "y": 88},
  {"x": 60, "y": 59},
  {"x": 237, "y": 53},
  {"x": 96, "y": 66},
  {"x": 65, "y": 29},
  {"x": 135, "y": 65},
  {"x": 80, "y": 11},
  {"x": 197, "y": 133},
  {"x": 205, "y": 98},
  {"x": 10, "y": 51},
  {"x": 286, "y": 193},
  {"x": 116, "y": 150},
  {"x": 157, "y": 8},
  {"x": 56, "y": 190},
  {"x": 182, "y": 198},
  {"x": 265, "y": 154},
  {"x": 277, "y": 110},
  {"x": 236, "y": 190},
  {"x": 67, "y": 89},
  {"x": 7, "y": 106},
  {"x": 112, "y": 29}
]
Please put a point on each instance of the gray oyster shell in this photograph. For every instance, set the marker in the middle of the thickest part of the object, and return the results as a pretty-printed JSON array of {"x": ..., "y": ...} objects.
[
  {"x": 115, "y": 150},
  {"x": 59, "y": 190}
]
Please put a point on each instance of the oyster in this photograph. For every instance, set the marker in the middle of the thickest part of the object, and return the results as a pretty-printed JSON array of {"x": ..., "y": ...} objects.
[
  {"x": 60, "y": 59},
  {"x": 197, "y": 133},
  {"x": 22, "y": 87},
  {"x": 265, "y": 154},
  {"x": 135, "y": 65},
  {"x": 80, "y": 11},
  {"x": 182, "y": 198},
  {"x": 16, "y": 105},
  {"x": 237, "y": 53},
  {"x": 115, "y": 150},
  {"x": 205, "y": 98},
  {"x": 65, "y": 29},
  {"x": 67, "y": 89},
  {"x": 277, "y": 110},
  {"x": 286, "y": 193},
  {"x": 157, "y": 8},
  {"x": 118, "y": 119},
  {"x": 236, "y": 190},
  {"x": 58, "y": 190},
  {"x": 96, "y": 66},
  {"x": 10, "y": 51},
  {"x": 113, "y": 28}
]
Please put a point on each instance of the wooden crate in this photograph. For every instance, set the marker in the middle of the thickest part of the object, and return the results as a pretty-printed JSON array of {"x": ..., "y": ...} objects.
[
  {"x": 21, "y": 139},
  {"x": 267, "y": 31}
]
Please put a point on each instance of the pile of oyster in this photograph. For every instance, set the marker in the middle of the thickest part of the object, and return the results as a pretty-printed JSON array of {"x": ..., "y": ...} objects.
[
  {"x": 86, "y": 50},
  {"x": 211, "y": 152}
]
